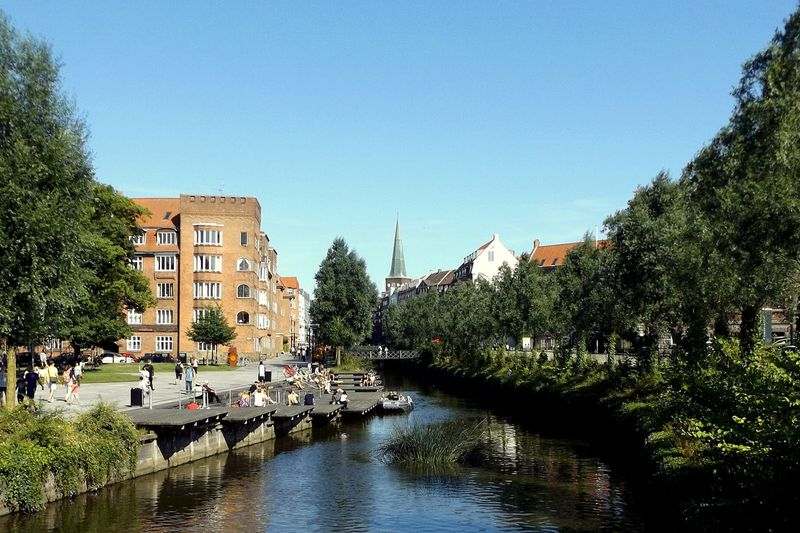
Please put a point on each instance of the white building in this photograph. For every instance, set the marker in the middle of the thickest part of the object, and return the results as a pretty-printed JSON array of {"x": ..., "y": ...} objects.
[
  {"x": 485, "y": 262},
  {"x": 303, "y": 318}
]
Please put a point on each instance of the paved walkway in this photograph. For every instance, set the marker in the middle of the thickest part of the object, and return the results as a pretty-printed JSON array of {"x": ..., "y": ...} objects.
[{"x": 165, "y": 391}]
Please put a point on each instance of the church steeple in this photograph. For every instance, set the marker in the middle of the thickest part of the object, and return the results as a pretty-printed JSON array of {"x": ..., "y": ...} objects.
[
  {"x": 397, "y": 272},
  {"x": 398, "y": 269}
]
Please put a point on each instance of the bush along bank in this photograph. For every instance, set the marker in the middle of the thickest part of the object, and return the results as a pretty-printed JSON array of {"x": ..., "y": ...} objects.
[
  {"x": 46, "y": 453},
  {"x": 720, "y": 440}
]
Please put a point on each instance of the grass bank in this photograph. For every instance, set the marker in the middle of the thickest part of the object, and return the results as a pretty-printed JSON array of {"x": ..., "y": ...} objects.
[
  {"x": 718, "y": 441},
  {"x": 92, "y": 450},
  {"x": 129, "y": 372}
]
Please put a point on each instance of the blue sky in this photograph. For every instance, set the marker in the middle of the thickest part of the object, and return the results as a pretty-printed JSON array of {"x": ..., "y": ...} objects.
[{"x": 528, "y": 119}]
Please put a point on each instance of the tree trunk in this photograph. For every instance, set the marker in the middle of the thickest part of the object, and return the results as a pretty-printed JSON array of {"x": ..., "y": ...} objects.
[
  {"x": 11, "y": 377},
  {"x": 338, "y": 355},
  {"x": 747, "y": 330}
]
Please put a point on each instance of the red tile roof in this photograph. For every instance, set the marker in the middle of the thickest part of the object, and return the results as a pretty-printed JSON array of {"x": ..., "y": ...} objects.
[
  {"x": 162, "y": 212},
  {"x": 290, "y": 282},
  {"x": 553, "y": 255}
]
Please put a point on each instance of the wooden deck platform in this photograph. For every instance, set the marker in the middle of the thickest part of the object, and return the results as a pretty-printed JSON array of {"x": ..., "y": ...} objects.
[
  {"x": 326, "y": 410},
  {"x": 175, "y": 418},
  {"x": 361, "y": 403},
  {"x": 289, "y": 412},
  {"x": 244, "y": 415}
]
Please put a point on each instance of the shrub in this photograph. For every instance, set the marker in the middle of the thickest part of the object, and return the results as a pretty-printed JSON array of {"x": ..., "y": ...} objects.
[{"x": 97, "y": 447}]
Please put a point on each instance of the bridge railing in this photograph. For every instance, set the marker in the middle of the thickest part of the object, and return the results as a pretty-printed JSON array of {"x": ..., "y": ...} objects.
[{"x": 380, "y": 353}]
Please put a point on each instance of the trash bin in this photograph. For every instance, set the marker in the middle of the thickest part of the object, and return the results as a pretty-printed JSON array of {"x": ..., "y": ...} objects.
[
  {"x": 137, "y": 397},
  {"x": 268, "y": 375}
]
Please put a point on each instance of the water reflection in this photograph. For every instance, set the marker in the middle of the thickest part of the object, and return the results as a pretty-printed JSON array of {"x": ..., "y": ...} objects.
[{"x": 320, "y": 481}]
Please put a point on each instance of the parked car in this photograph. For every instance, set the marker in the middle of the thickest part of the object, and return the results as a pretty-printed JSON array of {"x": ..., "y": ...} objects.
[{"x": 111, "y": 357}]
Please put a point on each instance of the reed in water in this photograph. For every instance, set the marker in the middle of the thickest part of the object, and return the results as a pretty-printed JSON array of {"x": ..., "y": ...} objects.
[{"x": 438, "y": 445}]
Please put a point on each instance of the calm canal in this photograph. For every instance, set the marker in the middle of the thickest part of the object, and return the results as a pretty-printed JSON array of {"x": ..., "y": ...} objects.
[{"x": 330, "y": 480}]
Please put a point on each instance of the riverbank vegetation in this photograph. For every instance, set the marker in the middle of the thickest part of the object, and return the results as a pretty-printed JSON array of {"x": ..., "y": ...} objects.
[
  {"x": 93, "y": 449},
  {"x": 679, "y": 284},
  {"x": 433, "y": 447}
]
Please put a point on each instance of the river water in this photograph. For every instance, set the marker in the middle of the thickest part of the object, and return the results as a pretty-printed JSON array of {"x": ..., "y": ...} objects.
[{"x": 331, "y": 480}]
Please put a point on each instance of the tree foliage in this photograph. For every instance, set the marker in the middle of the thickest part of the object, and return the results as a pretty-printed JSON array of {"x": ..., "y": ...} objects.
[
  {"x": 212, "y": 328},
  {"x": 344, "y": 297}
]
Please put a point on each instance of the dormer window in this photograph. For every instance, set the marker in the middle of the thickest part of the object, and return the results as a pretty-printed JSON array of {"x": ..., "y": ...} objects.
[{"x": 164, "y": 238}]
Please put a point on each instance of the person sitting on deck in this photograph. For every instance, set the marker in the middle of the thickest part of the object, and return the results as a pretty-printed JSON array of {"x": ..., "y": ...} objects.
[
  {"x": 343, "y": 398},
  {"x": 292, "y": 398},
  {"x": 259, "y": 397},
  {"x": 326, "y": 386},
  {"x": 336, "y": 395},
  {"x": 244, "y": 400},
  {"x": 211, "y": 394},
  {"x": 371, "y": 379}
]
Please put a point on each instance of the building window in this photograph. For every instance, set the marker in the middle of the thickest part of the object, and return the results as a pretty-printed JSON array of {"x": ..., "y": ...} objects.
[
  {"x": 198, "y": 313},
  {"x": 134, "y": 343},
  {"x": 204, "y": 346},
  {"x": 166, "y": 237},
  {"x": 163, "y": 344},
  {"x": 263, "y": 272},
  {"x": 207, "y": 290},
  {"x": 164, "y": 316},
  {"x": 208, "y": 263},
  {"x": 262, "y": 298},
  {"x": 243, "y": 265},
  {"x": 491, "y": 255},
  {"x": 243, "y": 238},
  {"x": 263, "y": 321},
  {"x": 134, "y": 317},
  {"x": 165, "y": 263},
  {"x": 137, "y": 263},
  {"x": 242, "y": 317},
  {"x": 210, "y": 237},
  {"x": 139, "y": 238},
  {"x": 243, "y": 291},
  {"x": 165, "y": 290}
]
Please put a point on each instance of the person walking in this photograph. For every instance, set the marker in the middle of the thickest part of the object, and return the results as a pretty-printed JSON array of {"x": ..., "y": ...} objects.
[
  {"x": 67, "y": 377},
  {"x": 178, "y": 373},
  {"x": 148, "y": 366},
  {"x": 262, "y": 372},
  {"x": 3, "y": 386},
  {"x": 52, "y": 380},
  {"x": 189, "y": 378},
  {"x": 194, "y": 365},
  {"x": 31, "y": 380}
]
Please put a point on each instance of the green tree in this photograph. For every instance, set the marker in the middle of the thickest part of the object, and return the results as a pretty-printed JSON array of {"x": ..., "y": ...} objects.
[
  {"x": 522, "y": 300},
  {"x": 585, "y": 302},
  {"x": 344, "y": 298},
  {"x": 746, "y": 183},
  {"x": 45, "y": 192},
  {"x": 212, "y": 328},
  {"x": 113, "y": 286}
]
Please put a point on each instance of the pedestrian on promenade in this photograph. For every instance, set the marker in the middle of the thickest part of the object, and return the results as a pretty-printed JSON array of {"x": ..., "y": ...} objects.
[
  {"x": 194, "y": 365},
  {"x": 150, "y": 372},
  {"x": 77, "y": 371},
  {"x": 178, "y": 373},
  {"x": 52, "y": 378},
  {"x": 3, "y": 386},
  {"x": 31, "y": 380},
  {"x": 189, "y": 377},
  {"x": 20, "y": 390},
  {"x": 75, "y": 391},
  {"x": 67, "y": 377},
  {"x": 262, "y": 372}
]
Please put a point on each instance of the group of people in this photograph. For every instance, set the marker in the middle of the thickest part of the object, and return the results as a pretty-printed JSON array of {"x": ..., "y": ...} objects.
[
  {"x": 46, "y": 377},
  {"x": 256, "y": 396},
  {"x": 187, "y": 373},
  {"x": 368, "y": 379}
]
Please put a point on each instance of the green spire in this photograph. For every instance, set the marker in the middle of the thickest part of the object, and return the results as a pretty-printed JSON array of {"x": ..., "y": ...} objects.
[{"x": 398, "y": 269}]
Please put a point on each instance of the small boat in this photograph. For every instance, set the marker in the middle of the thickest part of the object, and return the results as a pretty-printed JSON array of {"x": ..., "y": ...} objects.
[{"x": 394, "y": 403}]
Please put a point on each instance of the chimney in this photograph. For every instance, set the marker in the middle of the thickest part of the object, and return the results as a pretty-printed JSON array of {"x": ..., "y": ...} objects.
[{"x": 536, "y": 244}]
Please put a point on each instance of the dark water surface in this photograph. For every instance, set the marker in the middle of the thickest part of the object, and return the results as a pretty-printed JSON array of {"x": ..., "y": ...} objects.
[{"x": 320, "y": 481}]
